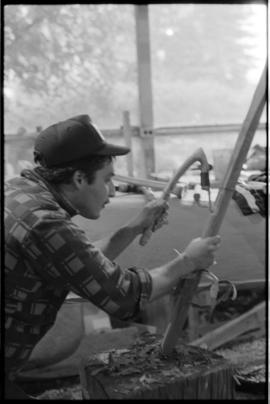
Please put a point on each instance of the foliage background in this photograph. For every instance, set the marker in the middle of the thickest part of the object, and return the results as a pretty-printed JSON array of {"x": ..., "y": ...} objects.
[{"x": 63, "y": 60}]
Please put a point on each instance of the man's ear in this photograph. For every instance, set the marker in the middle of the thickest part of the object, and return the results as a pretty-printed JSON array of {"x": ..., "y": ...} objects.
[{"x": 78, "y": 178}]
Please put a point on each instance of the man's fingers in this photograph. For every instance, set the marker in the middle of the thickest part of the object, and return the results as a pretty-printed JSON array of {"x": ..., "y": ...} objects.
[
  {"x": 214, "y": 241},
  {"x": 157, "y": 213},
  {"x": 159, "y": 224}
]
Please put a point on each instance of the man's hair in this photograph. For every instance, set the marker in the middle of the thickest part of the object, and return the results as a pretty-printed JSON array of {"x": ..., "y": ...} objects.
[{"x": 58, "y": 175}]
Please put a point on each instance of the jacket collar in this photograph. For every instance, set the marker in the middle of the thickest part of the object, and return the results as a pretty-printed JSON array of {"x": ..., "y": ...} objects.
[{"x": 35, "y": 175}]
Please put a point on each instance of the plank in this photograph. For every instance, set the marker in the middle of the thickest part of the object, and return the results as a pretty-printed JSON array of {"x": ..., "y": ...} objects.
[
  {"x": 251, "y": 320},
  {"x": 144, "y": 182}
]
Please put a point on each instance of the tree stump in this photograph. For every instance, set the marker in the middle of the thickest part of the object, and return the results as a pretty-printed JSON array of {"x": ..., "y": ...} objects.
[{"x": 143, "y": 372}]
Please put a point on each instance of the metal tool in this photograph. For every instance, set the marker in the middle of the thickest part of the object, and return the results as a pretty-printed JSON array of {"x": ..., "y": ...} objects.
[{"x": 205, "y": 184}]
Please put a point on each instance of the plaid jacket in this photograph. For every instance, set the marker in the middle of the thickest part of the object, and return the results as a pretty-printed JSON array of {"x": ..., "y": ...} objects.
[{"x": 46, "y": 257}]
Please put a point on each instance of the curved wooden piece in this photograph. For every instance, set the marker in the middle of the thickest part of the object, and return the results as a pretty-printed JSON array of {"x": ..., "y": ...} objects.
[{"x": 198, "y": 155}]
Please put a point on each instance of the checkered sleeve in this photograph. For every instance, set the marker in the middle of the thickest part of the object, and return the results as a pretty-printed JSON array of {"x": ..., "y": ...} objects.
[
  {"x": 145, "y": 285},
  {"x": 63, "y": 256}
]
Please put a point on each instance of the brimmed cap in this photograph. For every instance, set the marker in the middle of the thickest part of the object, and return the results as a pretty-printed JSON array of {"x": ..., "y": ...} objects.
[{"x": 73, "y": 139}]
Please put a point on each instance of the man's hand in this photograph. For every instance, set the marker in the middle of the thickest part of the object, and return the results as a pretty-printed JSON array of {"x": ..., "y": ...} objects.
[
  {"x": 200, "y": 251},
  {"x": 114, "y": 244},
  {"x": 153, "y": 215}
]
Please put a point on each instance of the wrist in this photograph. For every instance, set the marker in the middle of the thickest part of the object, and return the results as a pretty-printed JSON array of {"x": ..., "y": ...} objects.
[
  {"x": 138, "y": 225},
  {"x": 135, "y": 228}
]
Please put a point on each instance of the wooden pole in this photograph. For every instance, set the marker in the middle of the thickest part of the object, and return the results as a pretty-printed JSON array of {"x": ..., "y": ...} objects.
[
  {"x": 187, "y": 287},
  {"x": 145, "y": 89},
  {"x": 128, "y": 140}
]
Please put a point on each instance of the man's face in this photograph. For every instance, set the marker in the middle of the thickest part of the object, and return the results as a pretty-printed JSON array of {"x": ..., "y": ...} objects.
[{"x": 92, "y": 198}]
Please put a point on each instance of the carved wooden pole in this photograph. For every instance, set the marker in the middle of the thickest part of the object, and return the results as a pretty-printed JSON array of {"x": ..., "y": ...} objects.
[{"x": 187, "y": 287}]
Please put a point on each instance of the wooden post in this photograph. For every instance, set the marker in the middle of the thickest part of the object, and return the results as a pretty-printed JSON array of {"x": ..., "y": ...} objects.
[
  {"x": 187, "y": 287},
  {"x": 128, "y": 140},
  {"x": 145, "y": 89}
]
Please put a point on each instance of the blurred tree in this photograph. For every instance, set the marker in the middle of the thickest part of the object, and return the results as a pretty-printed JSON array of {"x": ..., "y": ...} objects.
[
  {"x": 81, "y": 58},
  {"x": 70, "y": 52},
  {"x": 52, "y": 44},
  {"x": 202, "y": 41},
  {"x": 201, "y": 57}
]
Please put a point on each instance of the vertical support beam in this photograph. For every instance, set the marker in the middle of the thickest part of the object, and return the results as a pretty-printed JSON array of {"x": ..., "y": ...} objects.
[
  {"x": 145, "y": 88},
  {"x": 128, "y": 140}
]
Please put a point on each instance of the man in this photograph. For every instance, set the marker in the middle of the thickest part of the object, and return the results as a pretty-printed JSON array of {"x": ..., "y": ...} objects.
[{"x": 47, "y": 255}]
